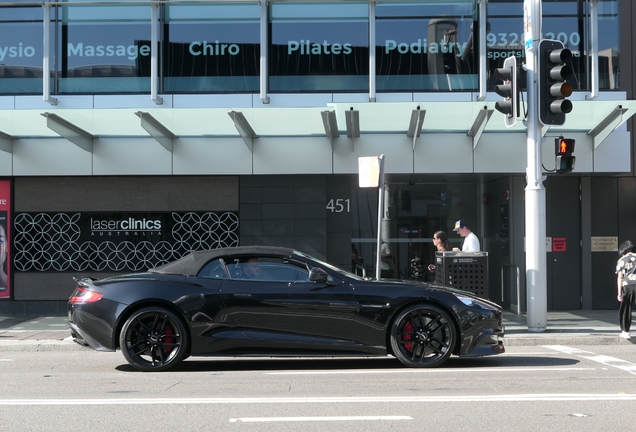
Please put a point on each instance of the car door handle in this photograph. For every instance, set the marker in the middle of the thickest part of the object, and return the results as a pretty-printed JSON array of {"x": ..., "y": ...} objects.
[{"x": 242, "y": 295}]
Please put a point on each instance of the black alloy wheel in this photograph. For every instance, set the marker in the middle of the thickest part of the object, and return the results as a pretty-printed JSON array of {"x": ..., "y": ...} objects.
[
  {"x": 153, "y": 339},
  {"x": 423, "y": 336}
]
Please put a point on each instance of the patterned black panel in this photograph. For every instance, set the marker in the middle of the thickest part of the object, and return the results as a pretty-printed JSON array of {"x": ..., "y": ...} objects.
[{"x": 62, "y": 242}]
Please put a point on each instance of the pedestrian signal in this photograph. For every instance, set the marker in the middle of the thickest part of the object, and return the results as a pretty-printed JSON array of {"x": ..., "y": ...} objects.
[{"x": 564, "y": 159}]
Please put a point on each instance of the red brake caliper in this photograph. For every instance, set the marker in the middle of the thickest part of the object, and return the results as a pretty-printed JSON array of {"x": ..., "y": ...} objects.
[
  {"x": 169, "y": 340},
  {"x": 408, "y": 327}
]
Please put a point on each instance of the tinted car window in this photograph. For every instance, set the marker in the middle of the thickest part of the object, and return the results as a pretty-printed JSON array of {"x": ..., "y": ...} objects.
[
  {"x": 213, "y": 270},
  {"x": 268, "y": 269}
]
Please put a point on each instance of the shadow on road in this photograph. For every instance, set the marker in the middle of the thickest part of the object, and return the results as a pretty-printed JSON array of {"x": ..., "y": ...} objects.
[{"x": 208, "y": 364}]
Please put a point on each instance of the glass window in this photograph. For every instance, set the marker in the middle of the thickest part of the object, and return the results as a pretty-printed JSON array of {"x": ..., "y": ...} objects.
[
  {"x": 21, "y": 34},
  {"x": 566, "y": 21},
  {"x": 212, "y": 48},
  {"x": 415, "y": 211},
  {"x": 426, "y": 46},
  {"x": 608, "y": 45},
  {"x": 319, "y": 47},
  {"x": 104, "y": 49},
  {"x": 268, "y": 269},
  {"x": 213, "y": 270}
]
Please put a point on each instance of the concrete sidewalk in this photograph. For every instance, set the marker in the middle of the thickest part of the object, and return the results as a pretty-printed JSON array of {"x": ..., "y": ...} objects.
[{"x": 568, "y": 327}]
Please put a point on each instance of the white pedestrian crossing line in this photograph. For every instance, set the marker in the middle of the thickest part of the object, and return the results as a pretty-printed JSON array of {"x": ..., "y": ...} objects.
[
  {"x": 603, "y": 359},
  {"x": 316, "y": 419}
]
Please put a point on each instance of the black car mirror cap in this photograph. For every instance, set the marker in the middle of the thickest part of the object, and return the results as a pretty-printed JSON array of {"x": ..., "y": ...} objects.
[{"x": 318, "y": 275}]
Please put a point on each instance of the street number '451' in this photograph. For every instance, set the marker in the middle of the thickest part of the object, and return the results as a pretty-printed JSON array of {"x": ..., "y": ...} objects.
[{"x": 339, "y": 205}]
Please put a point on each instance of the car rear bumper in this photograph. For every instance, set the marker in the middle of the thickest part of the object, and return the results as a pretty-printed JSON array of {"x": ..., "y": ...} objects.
[{"x": 82, "y": 337}]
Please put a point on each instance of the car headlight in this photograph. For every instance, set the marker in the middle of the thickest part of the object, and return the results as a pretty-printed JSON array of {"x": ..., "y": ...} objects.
[{"x": 469, "y": 301}]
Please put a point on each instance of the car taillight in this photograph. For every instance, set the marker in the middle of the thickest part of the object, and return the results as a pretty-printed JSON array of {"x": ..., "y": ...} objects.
[{"x": 82, "y": 295}]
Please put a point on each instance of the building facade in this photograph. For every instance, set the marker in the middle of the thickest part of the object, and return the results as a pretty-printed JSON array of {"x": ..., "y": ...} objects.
[{"x": 165, "y": 127}]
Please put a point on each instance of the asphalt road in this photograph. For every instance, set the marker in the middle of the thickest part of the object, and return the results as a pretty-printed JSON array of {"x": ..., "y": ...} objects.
[{"x": 530, "y": 388}]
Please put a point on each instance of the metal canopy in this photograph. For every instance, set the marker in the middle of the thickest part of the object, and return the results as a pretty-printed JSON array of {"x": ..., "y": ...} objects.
[
  {"x": 70, "y": 131},
  {"x": 352, "y": 118},
  {"x": 6, "y": 142},
  {"x": 158, "y": 131},
  {"x": 244, "y": 128},
  {"x": 608, "y": 125},
  {"x": 330, "y": 124},
  {"x": 479, "y": 125},
  {"x": 415, "y": 124},
  {"x": 598, "y": 118}
]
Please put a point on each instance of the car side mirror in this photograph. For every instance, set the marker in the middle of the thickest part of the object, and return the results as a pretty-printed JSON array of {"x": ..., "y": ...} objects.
[{"x": 318, "y": 275}]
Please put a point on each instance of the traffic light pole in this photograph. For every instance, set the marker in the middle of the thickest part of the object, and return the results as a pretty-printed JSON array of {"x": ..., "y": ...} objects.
[{"x": 535, "y": 208}]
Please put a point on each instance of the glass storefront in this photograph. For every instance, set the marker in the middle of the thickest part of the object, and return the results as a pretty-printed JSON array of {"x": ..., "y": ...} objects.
[
  {"x": 414, "y": 211},
  {"x": 422, "y": 46}
]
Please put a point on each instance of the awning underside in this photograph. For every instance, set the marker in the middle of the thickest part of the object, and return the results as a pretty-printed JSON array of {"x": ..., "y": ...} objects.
[{"x": 598, "y": 118}]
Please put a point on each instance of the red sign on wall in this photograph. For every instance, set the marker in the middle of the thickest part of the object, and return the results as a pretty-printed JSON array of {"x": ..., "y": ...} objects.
[
  {"x": 5, "y": 236},
  {"x": 558, "y": 244}
]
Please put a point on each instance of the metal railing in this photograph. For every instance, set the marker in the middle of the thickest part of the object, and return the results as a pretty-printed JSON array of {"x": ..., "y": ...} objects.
[{"x": 517, "y": 283}]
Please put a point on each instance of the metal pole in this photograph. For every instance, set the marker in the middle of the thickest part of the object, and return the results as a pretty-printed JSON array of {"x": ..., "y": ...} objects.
[
  {"x": 536, "y": 275},
  {"x": 378, "y": 255}
]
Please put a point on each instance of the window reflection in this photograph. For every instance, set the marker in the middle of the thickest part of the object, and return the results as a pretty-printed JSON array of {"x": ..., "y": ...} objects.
[
  {"x": 566, "y": 21},
  {"x": 212, "y": 48},
  {"x": 426, "y": 46},
  {"x": 21, "y": 32},
  {"x": 319, "y": 47},
  {"x": 102, "y": 53},
  {"x": 215, "y": 47}
]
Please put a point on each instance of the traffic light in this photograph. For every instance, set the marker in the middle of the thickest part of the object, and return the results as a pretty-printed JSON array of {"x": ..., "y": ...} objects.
[
  {"x": 564, "y": 161},
  {"x": 510, "y": 105},
  {"x": 553, "y": 88}
]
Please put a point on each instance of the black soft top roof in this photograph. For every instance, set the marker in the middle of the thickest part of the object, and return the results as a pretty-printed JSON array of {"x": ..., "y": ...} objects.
[{"x": 191, "y": 264}]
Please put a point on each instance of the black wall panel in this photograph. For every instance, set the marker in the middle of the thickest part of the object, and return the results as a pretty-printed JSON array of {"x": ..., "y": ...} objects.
[{"x": 604, "y": 221}]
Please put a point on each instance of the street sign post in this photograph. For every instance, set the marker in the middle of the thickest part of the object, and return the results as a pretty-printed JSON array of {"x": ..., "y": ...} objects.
[{"x": 536, "y": 264}]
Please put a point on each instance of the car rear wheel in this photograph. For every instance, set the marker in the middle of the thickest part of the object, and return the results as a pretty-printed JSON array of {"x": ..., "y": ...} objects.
[
  {"x": 423, "y": 336},
  {"x": 153, "y": 339}
]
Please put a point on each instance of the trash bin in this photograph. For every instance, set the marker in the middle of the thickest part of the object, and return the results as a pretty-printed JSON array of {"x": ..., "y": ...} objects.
[{"x": 466, "y": 271}]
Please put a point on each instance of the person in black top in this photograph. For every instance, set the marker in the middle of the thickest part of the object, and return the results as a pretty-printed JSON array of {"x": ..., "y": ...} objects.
[{"x": 626, "y": 284}]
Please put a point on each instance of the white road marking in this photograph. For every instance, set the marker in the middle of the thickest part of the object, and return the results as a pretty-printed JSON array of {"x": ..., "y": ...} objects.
[
  {"x": 428, "y": 371},
  {"x": 603, "y": 359},
  {"x": 314, "y": 419},
  {"x": 315, "y": 400}
]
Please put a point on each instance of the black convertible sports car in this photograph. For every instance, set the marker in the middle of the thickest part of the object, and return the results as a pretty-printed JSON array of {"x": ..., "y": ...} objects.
[{"x": 263, "y": 300}]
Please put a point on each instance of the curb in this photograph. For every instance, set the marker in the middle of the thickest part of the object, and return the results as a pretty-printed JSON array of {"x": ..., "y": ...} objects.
[
  {"x": 571, "y": 339},
  {"x": 67, "y": 344}
]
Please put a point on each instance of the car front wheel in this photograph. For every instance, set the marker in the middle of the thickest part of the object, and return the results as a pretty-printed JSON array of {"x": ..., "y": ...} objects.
[
  {"x": 153, "y": 339},
  {"x": 423, "y": 336}
]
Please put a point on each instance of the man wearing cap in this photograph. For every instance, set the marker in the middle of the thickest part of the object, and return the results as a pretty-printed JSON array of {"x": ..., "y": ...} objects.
[{"x": 471, "y": 242}]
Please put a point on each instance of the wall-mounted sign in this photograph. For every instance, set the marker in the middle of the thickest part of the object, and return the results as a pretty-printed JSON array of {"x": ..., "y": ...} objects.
[
  {"x": 604, "y": 244},
  {"x": 117, "y": 242},
  {"x": 5, "y": 238},
  {"x": 559, "y": 244}
]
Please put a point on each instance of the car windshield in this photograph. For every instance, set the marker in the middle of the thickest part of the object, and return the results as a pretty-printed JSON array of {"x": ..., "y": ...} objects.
[{"x": 331, "y": 267}]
